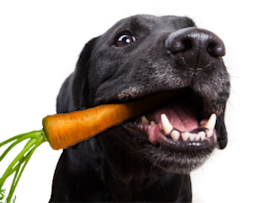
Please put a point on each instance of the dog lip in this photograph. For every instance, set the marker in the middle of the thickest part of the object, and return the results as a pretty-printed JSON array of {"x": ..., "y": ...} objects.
[
  {"x": 187, "y": 145},
  {"x": 156, "y": 136}
]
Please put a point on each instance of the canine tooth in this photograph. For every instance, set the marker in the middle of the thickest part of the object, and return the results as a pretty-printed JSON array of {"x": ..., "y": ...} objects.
[
  {"x": 210, "y": 124},
  {"x": 152, "y": 123},
  {"x": 175, "y": 135},
  {"x": 209, "y": 133},
  {"x": 144, "y": 120},
  {"x": 185, "y": 136},
  {"x": 167, "y": 126}
]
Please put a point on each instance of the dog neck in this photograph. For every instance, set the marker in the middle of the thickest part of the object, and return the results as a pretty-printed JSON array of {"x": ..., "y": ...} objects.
[{"x": 127, "y": 170}]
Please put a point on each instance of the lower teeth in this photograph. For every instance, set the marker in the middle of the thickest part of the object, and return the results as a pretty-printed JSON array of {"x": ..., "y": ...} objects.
[{"x": 176, "y": 135}]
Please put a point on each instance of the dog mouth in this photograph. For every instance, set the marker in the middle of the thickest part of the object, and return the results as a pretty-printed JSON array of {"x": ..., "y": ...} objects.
[{"x": 178, "y": 125}]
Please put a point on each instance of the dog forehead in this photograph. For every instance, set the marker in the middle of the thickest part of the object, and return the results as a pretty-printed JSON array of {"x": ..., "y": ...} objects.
[{"x": 150, "y": 22}]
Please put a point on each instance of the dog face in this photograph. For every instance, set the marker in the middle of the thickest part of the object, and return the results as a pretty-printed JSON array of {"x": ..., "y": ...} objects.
[{"x": 142, "y": 55}]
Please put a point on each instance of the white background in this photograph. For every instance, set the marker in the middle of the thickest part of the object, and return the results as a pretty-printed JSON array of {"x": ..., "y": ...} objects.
[{"x": 39, "y": 46}]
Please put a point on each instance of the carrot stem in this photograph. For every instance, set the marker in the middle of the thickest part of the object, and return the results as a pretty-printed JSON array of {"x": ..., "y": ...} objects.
[
  {"x": 19, "y": 163},
  {"x": 19, "y": 172},
  {"x": 11, "y": 146},
  {"x": 20, "y": 137}
]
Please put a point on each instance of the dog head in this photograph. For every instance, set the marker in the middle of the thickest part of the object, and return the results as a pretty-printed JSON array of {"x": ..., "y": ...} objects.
[{"x": 142, "y": 55}]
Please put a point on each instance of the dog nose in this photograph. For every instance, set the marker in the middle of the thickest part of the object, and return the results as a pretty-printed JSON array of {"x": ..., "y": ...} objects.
[{"x": 195, "y": 40}]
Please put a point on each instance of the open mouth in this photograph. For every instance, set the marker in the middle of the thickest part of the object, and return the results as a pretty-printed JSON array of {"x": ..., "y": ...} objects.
[{"x": 179, "y": 125}]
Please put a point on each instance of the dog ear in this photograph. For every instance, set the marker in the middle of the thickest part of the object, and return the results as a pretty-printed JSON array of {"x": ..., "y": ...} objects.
[
  {"x": 75, "y": 91},
  {"x": 222, "y": 136}
]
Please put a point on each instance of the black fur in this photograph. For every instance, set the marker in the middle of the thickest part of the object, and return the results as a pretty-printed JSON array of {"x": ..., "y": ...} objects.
[{"x": 120, "y": 164}]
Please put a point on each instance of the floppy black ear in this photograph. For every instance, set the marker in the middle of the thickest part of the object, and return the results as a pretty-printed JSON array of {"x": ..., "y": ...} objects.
[
  {"x": 222, "y": 137},
  {"x": 74, "y": 93}
]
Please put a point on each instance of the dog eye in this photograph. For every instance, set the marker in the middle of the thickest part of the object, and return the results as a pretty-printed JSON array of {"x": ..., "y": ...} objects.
[{"x": 125, "y": 39}]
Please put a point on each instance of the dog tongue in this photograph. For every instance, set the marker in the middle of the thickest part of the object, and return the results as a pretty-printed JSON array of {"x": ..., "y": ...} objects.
[{"x": 180, "y": 114}]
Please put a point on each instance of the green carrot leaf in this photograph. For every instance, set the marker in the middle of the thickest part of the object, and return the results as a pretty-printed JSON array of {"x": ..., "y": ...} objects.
[
  {"x": 2, "y": 194},
  {"x": 19, "y": 163}
]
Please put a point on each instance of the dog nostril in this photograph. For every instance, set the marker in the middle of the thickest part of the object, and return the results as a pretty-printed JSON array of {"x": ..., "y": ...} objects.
[
  {"x": 216, "y": 49},
  {"x": 210, "y": 49},
  {"x": 180, "y": 46},
  {"x": 187, "y": 44}
]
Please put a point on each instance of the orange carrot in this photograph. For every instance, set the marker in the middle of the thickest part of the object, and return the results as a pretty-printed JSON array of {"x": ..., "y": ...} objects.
[{"x": 65, "y": 130}]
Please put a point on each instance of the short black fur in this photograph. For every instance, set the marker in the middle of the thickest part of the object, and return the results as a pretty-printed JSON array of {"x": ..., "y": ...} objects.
[{"x": 120, "y": 164}]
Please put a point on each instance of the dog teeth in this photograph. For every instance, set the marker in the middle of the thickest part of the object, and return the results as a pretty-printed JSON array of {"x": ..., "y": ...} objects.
[
  {"x": 185, "y": 136},
  {"x": 193, "y": 137},
  {"x": 144, "y": 120},
  {"x": 167, "y": 126},
  {"x": 210, "y": 124},
  {"x": 209, "y": 133},
  {"x": 200, "y": 135},
  {"x": 188, "y": 136},
  {"x": 152, "y": 123},
  {"x": 175, "y": 135}
]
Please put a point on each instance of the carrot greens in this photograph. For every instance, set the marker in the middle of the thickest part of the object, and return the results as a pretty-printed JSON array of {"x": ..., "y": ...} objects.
[{"x": 18, "y": 165}]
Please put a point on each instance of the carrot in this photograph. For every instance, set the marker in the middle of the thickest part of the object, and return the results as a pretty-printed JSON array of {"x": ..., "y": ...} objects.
[{"x": 65, "y": 130}]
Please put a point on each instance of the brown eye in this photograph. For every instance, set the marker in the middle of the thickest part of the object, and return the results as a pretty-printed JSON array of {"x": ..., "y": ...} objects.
[{"x": 125, "y": 39}]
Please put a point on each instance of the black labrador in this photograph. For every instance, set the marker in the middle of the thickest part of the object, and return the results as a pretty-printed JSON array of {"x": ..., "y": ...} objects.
[{"x": 145, "y": 159}]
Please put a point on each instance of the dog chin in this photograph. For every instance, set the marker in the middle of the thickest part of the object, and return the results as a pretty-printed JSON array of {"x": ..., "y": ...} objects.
[
  {"x": 164, "y": 157},
  {"x": 177, "y": 162}
]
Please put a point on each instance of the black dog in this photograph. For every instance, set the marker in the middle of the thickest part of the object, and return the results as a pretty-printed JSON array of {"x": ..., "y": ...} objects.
[{"x": 140, "y": 161}]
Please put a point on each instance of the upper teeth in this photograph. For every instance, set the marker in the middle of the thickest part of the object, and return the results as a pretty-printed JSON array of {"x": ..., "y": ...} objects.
[
  {"x": 152, "y": 123},
  {"x": 167, "y": 126},
  {"x": 210, "y": 124},
  {"x": 144, "y": 120}
]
